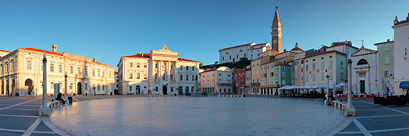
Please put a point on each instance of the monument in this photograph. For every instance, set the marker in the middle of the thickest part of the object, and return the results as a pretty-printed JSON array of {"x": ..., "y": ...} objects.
[{"x": 197, "y": 92}]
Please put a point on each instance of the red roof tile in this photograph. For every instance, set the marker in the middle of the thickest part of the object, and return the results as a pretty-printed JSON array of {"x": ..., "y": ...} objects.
[
  {"x": 4, "y": 50},
  {"x": 282, "y": 64},
  {"x": 213, "y": 69},
  {"x": 115, "y": 73},
  {"x": 235, "y": 47},
  {"x": 183, "y": 59},
  {"x": 40, "y": 50},
  {"x": 145, "y": 55}
]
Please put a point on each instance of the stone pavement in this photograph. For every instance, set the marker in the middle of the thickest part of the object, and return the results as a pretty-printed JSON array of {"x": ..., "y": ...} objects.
[
  {"x": 378, "y": 120},
  {"x": 19, "y": 116},
  {"x": 197, "y": 116}
]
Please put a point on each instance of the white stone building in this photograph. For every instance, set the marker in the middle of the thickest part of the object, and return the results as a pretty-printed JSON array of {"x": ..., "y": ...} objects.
[
  {"x": 401, "y": 81},
  {"x": 21, "y": 71},
  {"x": 364, "y": 72},
  {"x": 3, "y": 53},
  {"x": 160, "y": 72},
  {"x": 250, "y": 51},
  {"x": 217, "y": 80}
]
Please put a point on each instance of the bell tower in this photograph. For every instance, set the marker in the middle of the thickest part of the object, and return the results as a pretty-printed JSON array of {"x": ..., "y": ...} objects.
[{"x": 276, "y": 32}]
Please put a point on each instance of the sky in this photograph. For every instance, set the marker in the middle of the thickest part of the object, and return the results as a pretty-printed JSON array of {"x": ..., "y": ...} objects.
[{"x": 196, "y": 29}]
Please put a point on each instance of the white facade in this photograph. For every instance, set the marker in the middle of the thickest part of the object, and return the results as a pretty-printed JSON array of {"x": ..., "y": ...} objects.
[
  {"x": 21, "y": 72},
  {"x": 250, "y": 51},
  {"x": 217, "y": 80},
  {"x": 364, "y": 72},
  {"x": 401, "y": 56},
  {"x": 158, "y": 72}
]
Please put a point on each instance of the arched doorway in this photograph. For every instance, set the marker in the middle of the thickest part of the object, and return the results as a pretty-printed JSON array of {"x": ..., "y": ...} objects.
[
  {"x": 28, "y": 83},
  {"x": 187, "y": 90},
  {"x": 13, "y": 86},
  {"x": 138, "y": 89},
  {"x": 79, "y": 88},
  {"x": 165, "y": 90},
  {"x": 180, "y": 90}
]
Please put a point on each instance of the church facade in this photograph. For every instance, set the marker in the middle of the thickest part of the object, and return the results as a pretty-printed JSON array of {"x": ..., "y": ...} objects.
[{"x": 160, "y": 72}]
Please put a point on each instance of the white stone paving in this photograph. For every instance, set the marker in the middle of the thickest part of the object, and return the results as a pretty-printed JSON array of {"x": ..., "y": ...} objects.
[{"x": 197, "y": 116}]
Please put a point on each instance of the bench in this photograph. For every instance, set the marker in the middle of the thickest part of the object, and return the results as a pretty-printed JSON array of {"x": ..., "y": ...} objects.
[{"x": 338, "y": 104}]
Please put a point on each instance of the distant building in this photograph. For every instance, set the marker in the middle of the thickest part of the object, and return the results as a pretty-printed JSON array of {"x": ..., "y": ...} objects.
[
  {"x": 250, "y": 51},
  {"x": 248, "y": 79},
  {"x": 241, "y": 81},
  {"x": 22, "y": 72},
  {"x": 217, "y": 80},
  {"x": 401, "y": 56},
  {"x": 160, "y": 72},
  {"x": 364, "y": 73},
  {"x": 3, "y": 53}
]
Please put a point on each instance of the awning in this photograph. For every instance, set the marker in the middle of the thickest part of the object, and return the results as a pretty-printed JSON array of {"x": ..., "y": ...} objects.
[{"x": 404, "y": 84}]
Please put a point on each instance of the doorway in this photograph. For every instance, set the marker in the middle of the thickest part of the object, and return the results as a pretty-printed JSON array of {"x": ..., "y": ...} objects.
[
  {"x": 79, "y": 91},
  {"x": 28, "y": 83},
  {"x": 362, "y": 86},
  {"x": 165, "y": 90}
]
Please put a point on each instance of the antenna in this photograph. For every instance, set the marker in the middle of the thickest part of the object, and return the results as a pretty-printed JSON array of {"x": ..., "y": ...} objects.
[
  {"x": 338, "y": 38},
  {"x": 362, "y": 42}
]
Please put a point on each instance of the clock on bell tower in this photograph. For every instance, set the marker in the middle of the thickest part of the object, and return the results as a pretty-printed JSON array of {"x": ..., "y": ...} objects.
[{"x": 276, "y": 32}]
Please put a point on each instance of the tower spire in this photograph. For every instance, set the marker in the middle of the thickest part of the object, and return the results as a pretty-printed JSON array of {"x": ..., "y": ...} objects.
[{"x": 276, "y": 32}]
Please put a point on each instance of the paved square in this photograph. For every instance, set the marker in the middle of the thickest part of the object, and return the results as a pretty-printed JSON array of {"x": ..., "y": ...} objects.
[{"x": 197, "y": 116}]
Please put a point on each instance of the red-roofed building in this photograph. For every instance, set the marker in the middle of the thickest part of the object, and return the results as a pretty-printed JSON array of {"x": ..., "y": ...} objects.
[
  {"x": 240, "y": 81},
  {"x": 160, "y": 72},
  {"x": 22, "y": 69},
  {"x": 3, "y": 53}
]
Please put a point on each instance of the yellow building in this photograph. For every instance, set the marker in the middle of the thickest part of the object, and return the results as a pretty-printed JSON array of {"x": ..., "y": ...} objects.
[{"x": 22, "y": 73}]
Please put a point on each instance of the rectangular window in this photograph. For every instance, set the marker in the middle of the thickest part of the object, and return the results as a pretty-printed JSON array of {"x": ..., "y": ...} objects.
[
  {"x": 187, "y": 77},
  {"x": 85, "y": 86},
  {"x": 156, "y": 65},
  {"x": 131, "y": 64},
  {"x": 181, "y": 67},
  {"x": 322, "y": 65},
  {"x": 171, "y": 76},
  {"x": 342, "y": 64},
  {"x": 138, "y": 76},
  {"x": 103, "y": 74},
  {"x": 51, "y": 67},
  {"x": 145, "y": 75},
  {"x": 313, "y": 77},
  {"x": 85, "y": 71},
  {"x": 322, "y": 76},
  {"x": 181, "y": 77},
  {"x": 42, "y": 67},
  {"x": 306, "y": 78},
  {"x": 52, "y": 85},
  {"x": 130, "y": 75},
  {"x": 78, "y": 70},
  {"x": 283, "y": 82},
  {"x": 138, "y": 65},
  {"x": 156, "y": 76},
  {"x": 342, "y": 76},
  {"x": 387, "y": 60},
  {"x": 72, "y": 70},
  {"x": 277, "y": 74},
  {"x": 187, "y": 67},
  {"x": 163, "y": 76},
  {"x": 330, "y": 64},
  {"x": 29, "y": 65},
  {"x": 306, "y": 67},
  {"x": 145, "y": 65},
  {"x": 93, "y": 73},
  {"x": 193, "y": 68},
  {"x": 99, "y": 73},
  {"x": 313, "y": 66},
  {"x": 283, "y": 74},
  {"x": 387, "y": 48},
  {"x": 276, "y": 82},
  {"x": 330, "y": 75},
  {"x": 193, "y": 77}
]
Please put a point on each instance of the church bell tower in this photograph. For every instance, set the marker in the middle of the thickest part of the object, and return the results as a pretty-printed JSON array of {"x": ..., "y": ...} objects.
[{"x": 276, "y": 33}]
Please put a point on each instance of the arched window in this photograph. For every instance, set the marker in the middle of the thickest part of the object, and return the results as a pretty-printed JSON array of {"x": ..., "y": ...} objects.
[
  {"x": 156, "y": 89},
  {"x": 362, "y": 62},
  {"x": 241, "y": 50},
  {"x": 227, "y": 52},
  {"x": 187, "y": 89},
  {"x": 193, "y": 88}
]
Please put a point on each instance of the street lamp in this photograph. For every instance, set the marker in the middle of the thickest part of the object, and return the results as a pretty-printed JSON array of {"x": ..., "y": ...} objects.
[{"x": 327, "y": 86}]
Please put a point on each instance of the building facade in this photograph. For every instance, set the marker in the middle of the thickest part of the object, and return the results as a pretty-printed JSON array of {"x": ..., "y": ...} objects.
[
  {"x": 364, "y": 73},
  {"x": 160, "y": 72},
  {"x": 217, "y": 80},
  {"x": 250, "y": 51},
  {"x": 248, "y": 79},
  {"x": 401, "y": 57},
  {"x": 241, "y": 81},
  {"x": 385, "y": 63},
  {"x": 21, "y": 73}
]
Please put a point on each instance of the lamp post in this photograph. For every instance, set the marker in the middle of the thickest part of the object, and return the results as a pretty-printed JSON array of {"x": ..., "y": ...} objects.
[
  {"x": 376, "y": 84},
  {"x": 66, "y": 84},
  {"x": 327, "y": 86},
  {"x": 44, "y": 110},
  {"x": 349, "y": 84}
]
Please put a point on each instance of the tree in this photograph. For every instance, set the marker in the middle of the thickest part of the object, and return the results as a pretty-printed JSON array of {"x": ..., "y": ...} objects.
[{"x": 201, "y": 64}]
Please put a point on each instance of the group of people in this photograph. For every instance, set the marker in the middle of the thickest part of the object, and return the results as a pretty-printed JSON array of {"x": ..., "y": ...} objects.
[{"x": 329, "y": 99}]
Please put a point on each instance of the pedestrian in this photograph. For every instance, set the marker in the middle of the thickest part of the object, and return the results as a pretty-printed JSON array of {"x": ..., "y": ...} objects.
[{"x": 94, "y": 93}]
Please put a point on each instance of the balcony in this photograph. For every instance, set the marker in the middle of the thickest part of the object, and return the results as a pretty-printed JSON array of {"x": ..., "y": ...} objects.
[{"x": 255, "y": 84}]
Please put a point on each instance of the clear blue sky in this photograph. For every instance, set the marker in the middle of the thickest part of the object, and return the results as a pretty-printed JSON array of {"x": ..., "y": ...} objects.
[{"x": 196, "y": 29}]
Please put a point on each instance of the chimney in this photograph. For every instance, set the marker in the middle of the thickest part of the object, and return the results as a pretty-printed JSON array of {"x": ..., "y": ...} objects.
[
  {"x": 285, "y": 50},
  {"x": 388, "y": 40},
  {"x": 396, "y": 20},
  {"x": 407, "y": 18},
  {"x": 94, "y": 60},
  {"x": 139, "y": 52},
  {"x": 54, "y": 48}
]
